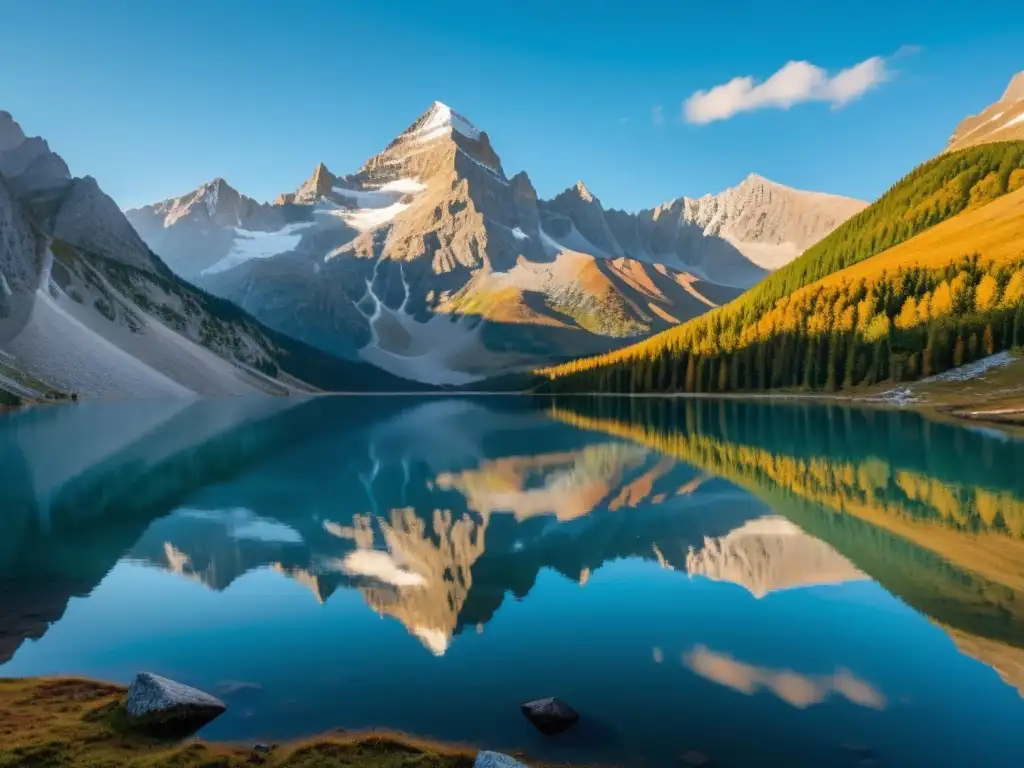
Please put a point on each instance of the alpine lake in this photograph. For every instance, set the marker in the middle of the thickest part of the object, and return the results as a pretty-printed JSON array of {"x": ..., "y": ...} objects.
[{"x": 763, "y": 583}]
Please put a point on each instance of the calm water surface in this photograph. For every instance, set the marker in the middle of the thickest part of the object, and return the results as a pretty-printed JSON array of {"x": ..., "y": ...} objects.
[{"x": 761, "y": 583}]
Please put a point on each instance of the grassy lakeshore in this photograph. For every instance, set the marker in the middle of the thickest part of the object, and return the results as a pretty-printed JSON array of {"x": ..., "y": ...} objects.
[{"x": 52, "y": 722}]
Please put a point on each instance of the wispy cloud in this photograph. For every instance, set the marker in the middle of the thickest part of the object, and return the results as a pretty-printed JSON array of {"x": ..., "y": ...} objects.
[
  {"x": 658, "y": 115},
  {"x": 908, "y": 49},
  {"x": 794, "y": 83}
]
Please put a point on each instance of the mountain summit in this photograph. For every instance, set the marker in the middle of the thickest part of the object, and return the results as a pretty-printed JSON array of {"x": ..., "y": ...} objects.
[{"x": 1001, "y": 121}]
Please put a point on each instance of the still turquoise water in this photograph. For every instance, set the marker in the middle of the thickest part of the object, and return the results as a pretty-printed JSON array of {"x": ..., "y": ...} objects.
[{"x": 767, "y": 584}]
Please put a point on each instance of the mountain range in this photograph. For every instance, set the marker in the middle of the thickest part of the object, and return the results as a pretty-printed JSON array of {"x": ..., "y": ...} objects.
[
  {"x": 86, "y": 308},
  {"x": 434, "y": 264}
]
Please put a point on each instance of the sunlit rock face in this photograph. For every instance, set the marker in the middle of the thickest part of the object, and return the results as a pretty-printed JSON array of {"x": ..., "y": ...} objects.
[{"x": 1002, "y": 120}]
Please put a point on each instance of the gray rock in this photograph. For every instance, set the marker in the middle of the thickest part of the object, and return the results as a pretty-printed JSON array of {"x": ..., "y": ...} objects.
[
  {"x": 158, "y": 699},
  {"x": 262, "y": 748},
  {"x": 89, "y": 219},
  {"x": 550, "y": 716},
  {"x": 496, "y": 760},
  {"x": 11, "y": 134}
]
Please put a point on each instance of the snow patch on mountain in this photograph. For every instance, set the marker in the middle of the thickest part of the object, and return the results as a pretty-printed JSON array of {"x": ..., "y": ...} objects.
[
  {"x": 422, "y": 351},
  {"x": 259, "y": 245},
  {"x": 384, "y": 196},
  {"x": 551, "y": 246},
  {"x": 364, "y": 219},
  {"x": 573, "y": 241},
  {"x": 441, "y": 121}
]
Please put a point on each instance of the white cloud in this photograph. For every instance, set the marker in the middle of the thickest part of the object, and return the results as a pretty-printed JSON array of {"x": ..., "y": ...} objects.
[
  {"x": 796, "y": 82},
  {"x": 658, "y": 115}
]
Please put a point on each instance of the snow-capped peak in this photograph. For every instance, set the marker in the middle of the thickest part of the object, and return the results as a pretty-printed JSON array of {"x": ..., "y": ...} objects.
[{"x": 441, "y": 120}]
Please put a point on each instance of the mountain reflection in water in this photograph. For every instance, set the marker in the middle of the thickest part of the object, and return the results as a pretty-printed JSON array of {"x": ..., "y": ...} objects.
[{"x": 759, "y": 582}]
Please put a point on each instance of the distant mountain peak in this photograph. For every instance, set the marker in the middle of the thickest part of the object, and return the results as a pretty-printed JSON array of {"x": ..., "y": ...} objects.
[
  {"x": 315, "y": 188},
  {"x": 1002, "y": 120},
  {"x": 1015, "y": 90}
]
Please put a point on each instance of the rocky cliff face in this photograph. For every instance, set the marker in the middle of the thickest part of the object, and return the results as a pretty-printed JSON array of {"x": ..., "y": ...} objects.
[
  {"x": 20, "y": 265},
  {"x": 1001, "y": 121},
  {"x": 430, "y": 262}
]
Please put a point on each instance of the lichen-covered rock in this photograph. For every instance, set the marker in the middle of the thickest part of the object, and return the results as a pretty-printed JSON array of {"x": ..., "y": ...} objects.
[
  {"x": 156, "y": 699},
  {"x": 496, "y": 760},
  {"x": 550, "y": 716}
]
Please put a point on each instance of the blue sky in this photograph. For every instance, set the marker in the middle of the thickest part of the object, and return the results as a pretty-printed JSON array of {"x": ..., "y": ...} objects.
[{"x": 153, "y": 98}]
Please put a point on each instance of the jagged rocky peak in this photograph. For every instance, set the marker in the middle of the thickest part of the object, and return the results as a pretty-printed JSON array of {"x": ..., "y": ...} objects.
[
  {"x": 576, "y": 216},
  {"x": 11, "y": 134},
  {"x": 314, "y": 189},
  {"x": 439, "y": 142},
  {"x": 27, "y": 163}
]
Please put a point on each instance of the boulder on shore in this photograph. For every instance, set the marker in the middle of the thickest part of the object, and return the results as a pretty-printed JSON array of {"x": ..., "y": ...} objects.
[
  {"x": 155, "y": 700},
  {"x": 550, "y": 716},
  {"x": 496, "y": 760}
]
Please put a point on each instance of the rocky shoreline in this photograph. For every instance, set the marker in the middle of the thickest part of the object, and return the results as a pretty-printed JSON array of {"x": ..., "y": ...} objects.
[{"x": 75, "y": 721}]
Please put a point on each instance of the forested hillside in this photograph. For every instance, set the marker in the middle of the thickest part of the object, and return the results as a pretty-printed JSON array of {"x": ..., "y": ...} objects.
[{"x": 929, "y": 277}]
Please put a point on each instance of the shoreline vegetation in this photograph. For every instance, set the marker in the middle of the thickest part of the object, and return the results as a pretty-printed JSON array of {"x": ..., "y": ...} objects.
[{"x": 47, "y": 722}]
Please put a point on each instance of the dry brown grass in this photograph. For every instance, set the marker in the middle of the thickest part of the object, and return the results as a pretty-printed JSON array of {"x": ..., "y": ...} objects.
[{"x": 56, "y": 722}]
